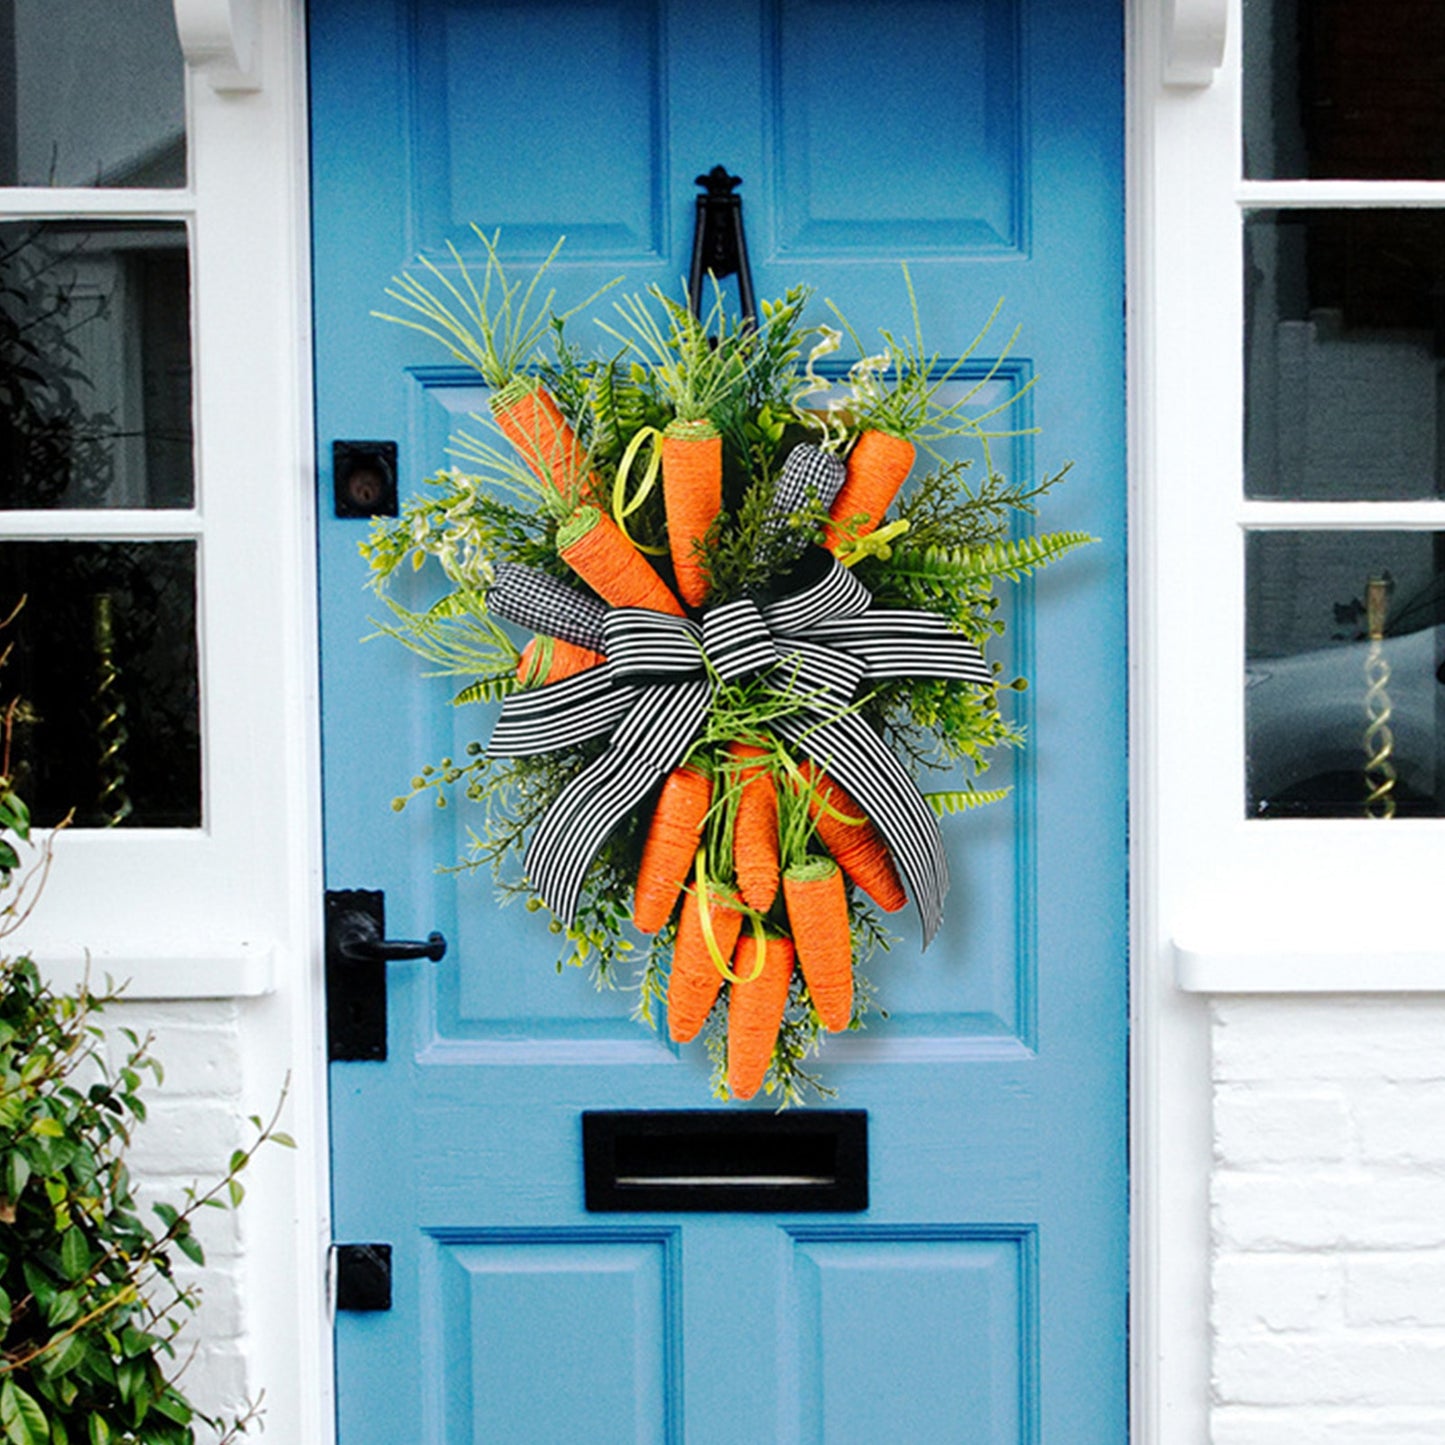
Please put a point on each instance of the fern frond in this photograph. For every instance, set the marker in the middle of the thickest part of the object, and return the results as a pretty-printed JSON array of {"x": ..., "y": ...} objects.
[
  {"x": 1012, "y": 558},
  {"x": 960, "y": 800},
  {"x": 492, "y": 688}
]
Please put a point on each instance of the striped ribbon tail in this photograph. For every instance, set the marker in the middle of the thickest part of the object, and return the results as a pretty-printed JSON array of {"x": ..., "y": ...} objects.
[
  {"x": 652, "y": 741},
  {"x": 852, "y": 754}
]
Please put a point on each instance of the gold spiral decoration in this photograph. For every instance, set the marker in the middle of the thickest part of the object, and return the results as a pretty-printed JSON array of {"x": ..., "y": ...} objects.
[
  {"x": 112, "y": 802},
  {"x": 1379, "y": 739}
]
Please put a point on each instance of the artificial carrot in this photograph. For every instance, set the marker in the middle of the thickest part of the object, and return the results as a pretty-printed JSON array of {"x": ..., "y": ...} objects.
[
  {"x": 755, "y": 831},
  {"x": 532, "y": 421},
  {"x": 818, "y": 916},
  {"x": 878, "y": 466},
  {"x": 854, "y": 842},
  {"x": 755, "y": 1011},
  {"x": 671, "y": 845},
  {"x": 593, "y": 546},
  {"x": 550, "y": 659},
  {"x": 695, "y": 980},
  {"x": 692, "y": 497}
]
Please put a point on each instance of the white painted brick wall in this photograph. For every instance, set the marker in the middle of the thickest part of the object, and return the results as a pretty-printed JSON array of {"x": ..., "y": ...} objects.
[
  {"x": 194, "y": 1120},
  {"x": 1328, "y": 1307}
]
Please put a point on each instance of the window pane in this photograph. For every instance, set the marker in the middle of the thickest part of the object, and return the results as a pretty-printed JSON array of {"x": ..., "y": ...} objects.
[
  {"x": 1345, "y": 674},
  {"x": 92, "y": 93},
  {"x": 1344, "y": 89},
  {"x": 1345, "y": 330},
  {"x": 95, "y": 365},
  {"x": 105, "y": 667}
]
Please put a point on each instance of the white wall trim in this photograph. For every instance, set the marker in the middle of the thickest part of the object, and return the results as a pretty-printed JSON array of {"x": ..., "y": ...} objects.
[
  {"x": 294, "y": 1345},
  {"x": 1170, "y": 1100}
]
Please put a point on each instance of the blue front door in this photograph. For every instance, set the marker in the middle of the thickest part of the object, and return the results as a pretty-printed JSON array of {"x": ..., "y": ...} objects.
[{"x": 981, "y": 1297}]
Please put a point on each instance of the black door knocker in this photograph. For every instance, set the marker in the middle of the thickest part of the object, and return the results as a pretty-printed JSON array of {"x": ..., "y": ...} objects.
[{"x": 719, "y": 248}]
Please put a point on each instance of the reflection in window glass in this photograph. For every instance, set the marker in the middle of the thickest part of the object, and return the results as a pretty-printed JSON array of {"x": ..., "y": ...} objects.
[
  {"x": 1340, "y": 89},
  {"x": 1345, "y": 331},
  {"x": 95, "y": 365},
  {"x": 1345, "y": 674},
  {"x": 105, "y": 669},
  {"x": 92, "y": 93}
]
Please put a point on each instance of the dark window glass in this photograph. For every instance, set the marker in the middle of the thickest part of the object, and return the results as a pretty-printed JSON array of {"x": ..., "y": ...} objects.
[
  {"x": 1344, "y": 338},
  {"x": 92, "y": 93},
  {"x": 1344, "y": 89},
  {"x": 1345, "y": 674},
  {"x": 95, "y": 365},
  {"x": 104, "y": 665}
]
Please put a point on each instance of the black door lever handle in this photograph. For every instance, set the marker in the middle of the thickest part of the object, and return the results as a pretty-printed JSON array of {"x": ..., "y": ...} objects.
[
  {"x": 357, "y": 952},
  {"x": 359, "y": 939}
]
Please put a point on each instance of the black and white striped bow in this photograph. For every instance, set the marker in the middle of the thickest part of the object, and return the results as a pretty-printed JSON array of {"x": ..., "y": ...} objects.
[{"x": 816, "y": 646}]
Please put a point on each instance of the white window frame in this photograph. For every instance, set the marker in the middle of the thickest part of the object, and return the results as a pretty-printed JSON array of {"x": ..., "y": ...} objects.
[
  {"x": 232, "y": 910},
  {"x": 1252, "y": 905}
]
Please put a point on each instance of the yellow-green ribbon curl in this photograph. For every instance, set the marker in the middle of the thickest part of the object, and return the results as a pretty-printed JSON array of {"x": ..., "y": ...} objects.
[{"x": 622, "y": 508}]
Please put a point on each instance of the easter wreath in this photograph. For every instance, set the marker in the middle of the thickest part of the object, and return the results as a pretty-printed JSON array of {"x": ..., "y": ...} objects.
[{"x": 751, "y": 641}]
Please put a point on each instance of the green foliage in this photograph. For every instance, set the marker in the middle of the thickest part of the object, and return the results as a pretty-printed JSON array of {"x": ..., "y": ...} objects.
[
  {"x": 459, "y": 639},
  {"x": 90, "y": 1305},
  {"x": 745, "y": 554},
  {"x": 465, "y": 524},
  {"x": 898, "y": 389},
  {"x": 493, "y": 326},
  {"x": 700, "y": 364}
]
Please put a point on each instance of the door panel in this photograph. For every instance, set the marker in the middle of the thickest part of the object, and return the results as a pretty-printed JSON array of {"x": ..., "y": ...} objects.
[{"x": 982, "y": 1295}]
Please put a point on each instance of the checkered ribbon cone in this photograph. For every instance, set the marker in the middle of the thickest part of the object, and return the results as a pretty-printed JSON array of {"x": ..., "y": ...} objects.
[
  {"x": 541, "y": 603},
  {"x": 809, "y": 475}
]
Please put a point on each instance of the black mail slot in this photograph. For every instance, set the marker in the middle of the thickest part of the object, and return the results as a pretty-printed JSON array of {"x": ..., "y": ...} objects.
[{"x": 710, "y": 1159}]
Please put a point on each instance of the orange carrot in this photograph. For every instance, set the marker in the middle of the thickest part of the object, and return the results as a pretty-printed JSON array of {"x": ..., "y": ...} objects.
[
  {"x": 878, "y": 466},
  {"x": 695, "y": 980},
  {"x": 532, "y": 421},
  {"x": 755, "y": 1012},
  {"x": 692, "y": 497},
  {"x": 671, "y": 846},
  {"x": 818, "y": 916},
  {"x": 857, "y": 847},
  {"x": 551, "y": 659},
  {"x": 593, "y": 546},
  {"x": 755, "y": 833}
]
